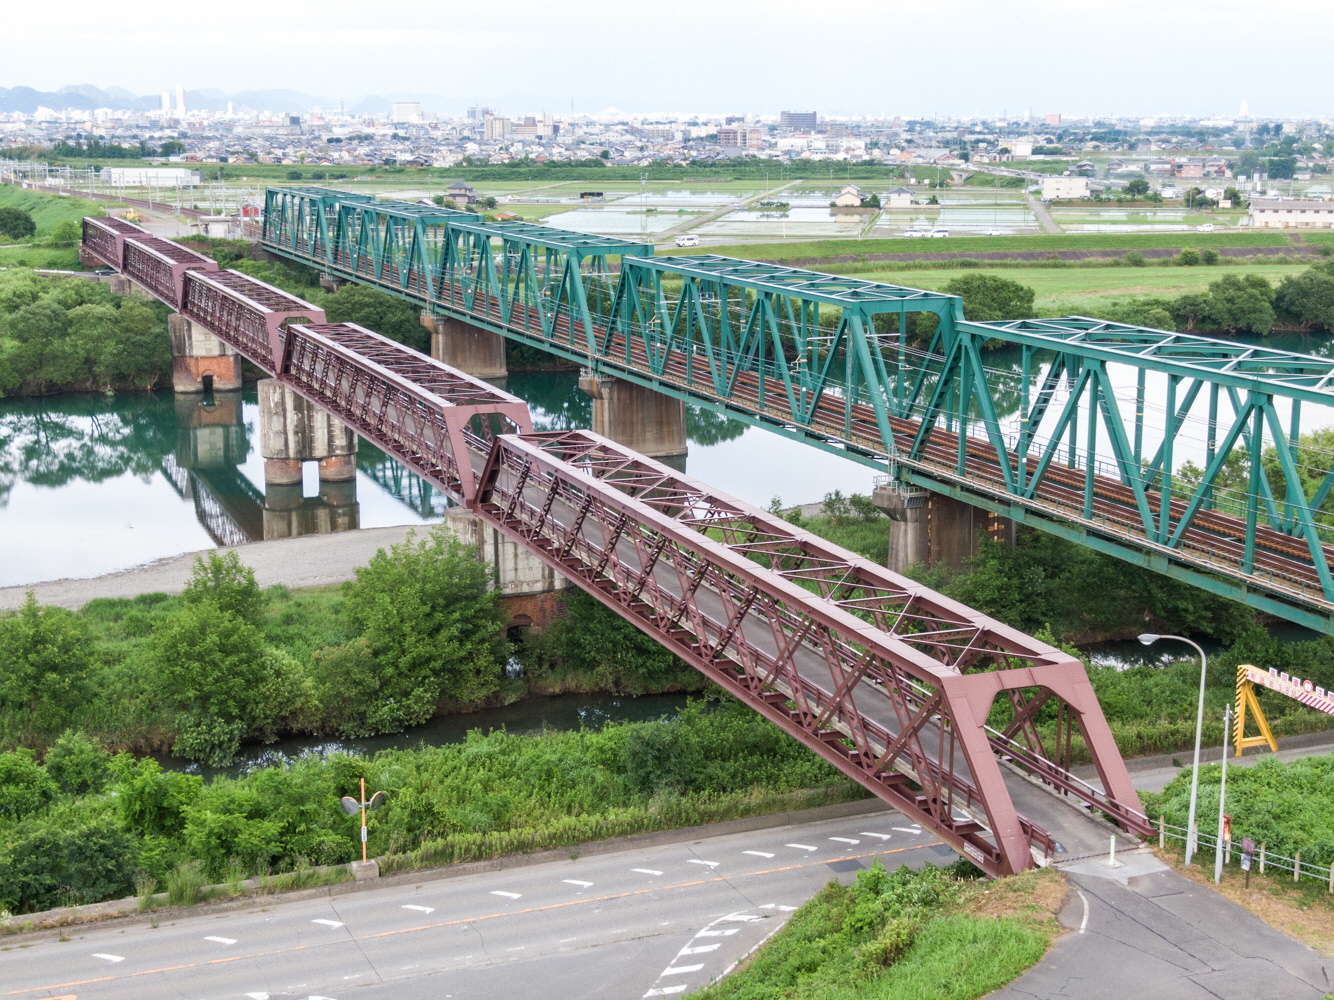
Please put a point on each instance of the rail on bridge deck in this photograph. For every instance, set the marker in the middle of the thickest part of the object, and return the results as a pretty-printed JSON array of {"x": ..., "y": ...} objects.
[
  {"x": 1073, "y": 425},
  {"x": 943, "y": 713}
]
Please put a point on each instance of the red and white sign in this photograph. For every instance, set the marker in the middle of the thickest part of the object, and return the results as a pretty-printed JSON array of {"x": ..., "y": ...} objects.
[{"x": 1294, "y": 687}]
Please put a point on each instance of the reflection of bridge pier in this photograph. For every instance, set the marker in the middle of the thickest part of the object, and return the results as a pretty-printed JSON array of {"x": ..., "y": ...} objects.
[
  {"x": 288, "y": 514},
  {"x": 293, "y": 431}
]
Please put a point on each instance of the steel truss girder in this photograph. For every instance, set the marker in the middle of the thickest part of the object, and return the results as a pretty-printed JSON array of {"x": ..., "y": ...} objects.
[{"x": 889, "y": 681}]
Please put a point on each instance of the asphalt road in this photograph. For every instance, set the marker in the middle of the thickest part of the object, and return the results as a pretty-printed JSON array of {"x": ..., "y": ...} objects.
[{"x": 661, "y": 921}]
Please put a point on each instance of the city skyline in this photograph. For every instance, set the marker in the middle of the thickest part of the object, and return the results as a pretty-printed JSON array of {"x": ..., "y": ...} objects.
[{"x": 870, "y": 59}]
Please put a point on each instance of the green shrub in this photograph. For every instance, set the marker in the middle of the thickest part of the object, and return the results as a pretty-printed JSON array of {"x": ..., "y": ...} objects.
[
  {"x": 45, "y": 867},
  {"x": 25, "y": 787},
  {"x": 77, "y": 764}
]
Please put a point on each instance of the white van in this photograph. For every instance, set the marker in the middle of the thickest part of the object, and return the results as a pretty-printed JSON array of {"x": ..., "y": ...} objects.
[{"x": 687, "y": 241}]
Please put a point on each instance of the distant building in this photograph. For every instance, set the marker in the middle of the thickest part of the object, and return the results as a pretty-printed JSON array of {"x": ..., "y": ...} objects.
[
  {"x": 406, "y": 111},
  {"x": 1296, "y": 214},
  {"x": 1054, "y": 188},
  {"x": 798, "y": 121},
  {"x": 1053, "y": 118},
  {"x": 742, "y": 138},
  {"x": 849, "y": 197},
  {"x": 460, "y": 194},
  {"x": 154, "y": 177},
  {"x": 496, "y": 129},
  {"x": 900, "y": 197}
]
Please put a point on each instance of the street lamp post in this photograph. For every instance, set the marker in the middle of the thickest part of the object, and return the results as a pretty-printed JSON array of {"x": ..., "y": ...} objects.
[
  {"x": 1149, "y": 638},
  {"x": 1222, "y": 801},
  {"x": 351, "y": 806}
]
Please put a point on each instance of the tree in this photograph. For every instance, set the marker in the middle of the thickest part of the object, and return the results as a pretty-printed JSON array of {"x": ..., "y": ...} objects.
[
  {"x": 45, "y": 658},
  {"x": 1282, "y": 167},
  {"x": 988, "y": 298},
  {"x": 228, "y": 585},
  {"x": 44, "y": 355},
  {"x": 381, "y": 312},
  {"x": 1241, "y": 304},
  {"x": 16, "y": 223},
  {"x": 430, "y": 621},
  {"x": 1306, "y": 300},
  {"x": 58, "y": 866},
  {"x": 172, "y": 147},
  {"x": 294, "y": 175},
  {"x": 1137, "y": 187},
  {"x": 25, "y": 788},
  {"x": 871, "y": 201},
  {"x": 65, "y": 233},
  {"x": 77, "y": 764}
]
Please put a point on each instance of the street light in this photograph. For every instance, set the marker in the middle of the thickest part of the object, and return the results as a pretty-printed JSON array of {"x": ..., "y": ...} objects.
[
  {"x": 1149, "y": 638},
  {"x": 351, "y": 805}
]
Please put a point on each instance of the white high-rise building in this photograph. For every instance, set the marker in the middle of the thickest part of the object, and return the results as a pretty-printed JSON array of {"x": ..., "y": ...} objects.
[
  {"x": 180, "y": 101},
  {"x": 166, "y": 104},
  {"x": 406, "y": 111}
]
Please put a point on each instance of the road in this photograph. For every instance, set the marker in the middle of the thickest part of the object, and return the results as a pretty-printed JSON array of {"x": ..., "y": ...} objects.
[
  {"x": 1043, "y": 216},
  {"x": 659, "y": 921}
]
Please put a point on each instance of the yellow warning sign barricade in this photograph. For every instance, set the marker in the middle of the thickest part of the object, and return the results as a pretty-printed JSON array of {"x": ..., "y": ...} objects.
[{"x": 1274, "y": 680}]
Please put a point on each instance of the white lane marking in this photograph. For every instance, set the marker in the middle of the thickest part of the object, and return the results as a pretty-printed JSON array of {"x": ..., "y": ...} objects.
[
  {"x": 723, "y": 933},
  {"x": 904, "y": 829},
  {"x": 738, "y": 918},
  {"x": 507, "y": 895},
  {"x": 575, "y": 881},
  {"x": 258, "y": 996},
  {"x": 108, "y": 958},
  {"x": 845, "y": 840},
  {"x": 881, "y": 836},
  {"x": 313, "y": 997},
  {"x": 419, "y": 909},
  {"x": 328, "y": 923},
  {"x": 663, "y": 991},
  {"x": 699, "y": 949},
  {"x": 566, "y": 940},
  {"x": 802, "y": 847},
  {"x": 759, "y": 854},
  {"x": 785, "y": 909},
  {"x": 1083, "y": 924},
  {"x": 520, "y": 948},
  {"x": 646, "y": 871},
  {"x": 680, "y": 970},
  {"x": 221, "y": 940},
  {"x": 697, "y": 861}
]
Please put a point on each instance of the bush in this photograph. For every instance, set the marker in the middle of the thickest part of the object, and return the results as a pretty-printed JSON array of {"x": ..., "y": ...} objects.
[
  {"x": 1209, "y": 256},
  {"x": 989, "y": 298},
  {"x": 47, "y": 867},
  {"x": 1188, "y": 257},
  {"x": 25, "y": 787},
  {"x": 1133, "y": 259},
  {"x": 226, "y": 584},
  {"x": 45, "y": 658},
  {"x": 16, "y": 224},
  {"x": 78, "y": 765}
]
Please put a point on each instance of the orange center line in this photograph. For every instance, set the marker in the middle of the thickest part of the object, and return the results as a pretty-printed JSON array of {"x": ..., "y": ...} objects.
[{"x": 469, "y": 920}]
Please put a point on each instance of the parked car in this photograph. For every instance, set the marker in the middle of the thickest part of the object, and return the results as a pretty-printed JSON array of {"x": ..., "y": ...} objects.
[
  {"x": 1208, "y": 227},
  {"x": 938, "y": 233},
  {"x": 105, "y": 272},
  {"x": 913, "y": 233},
  {"x": 687, "y": 241},
  {"x": 993, "y": 232}
]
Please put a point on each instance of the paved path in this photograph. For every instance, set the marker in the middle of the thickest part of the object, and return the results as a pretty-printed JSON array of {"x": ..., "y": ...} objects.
[
  {"x": 658, "y": 921},
  {"x": 1157, "y": 935},
  {"x": 309, "y": 561},
  {"x": 1044, "y": 217}
]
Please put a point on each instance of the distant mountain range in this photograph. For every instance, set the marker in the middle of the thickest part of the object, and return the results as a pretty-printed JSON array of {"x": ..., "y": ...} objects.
[{"x": 87, "y": 97}]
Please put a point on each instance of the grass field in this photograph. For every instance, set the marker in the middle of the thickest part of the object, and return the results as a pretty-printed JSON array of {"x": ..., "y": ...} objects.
[
  {"x": 1062, "y": 291},
  {"x": 964, "y": 244},
  {"x": 47, "y": 209},
  {"x": 55, "y": 258}
]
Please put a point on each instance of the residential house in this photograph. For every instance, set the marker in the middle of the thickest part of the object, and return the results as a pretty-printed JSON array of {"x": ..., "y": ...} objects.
[
  {"x": 1294, "y": 214},
  {"x": 900, "y": 197},
  {"x": 461, "y": 194},
  {"x": 849, "y": 197}
]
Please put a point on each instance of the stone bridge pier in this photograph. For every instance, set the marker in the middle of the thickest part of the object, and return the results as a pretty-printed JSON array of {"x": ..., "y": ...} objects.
[
  {"x": 650, "y": 422},
  {"x": 200, "y": 362},
  {"x": 935, "y": 529},
  {"x": 529, "y": 588},
  {"x": 293, "y": 431},
  {"x": 468, "y": 348}
]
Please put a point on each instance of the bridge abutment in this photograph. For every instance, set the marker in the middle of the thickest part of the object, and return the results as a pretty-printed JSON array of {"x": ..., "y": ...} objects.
[
  {"x": 650, "y": 422},
  {"x": 529, "y": 589},
  {"x": 293, "y": 430},
  {"x": 935, "y": 529},
  {"x": 200, "y": 362},
  {"x": 468, "y": 348}
]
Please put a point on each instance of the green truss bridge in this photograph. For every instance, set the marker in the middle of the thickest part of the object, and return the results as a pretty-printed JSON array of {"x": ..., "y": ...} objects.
[{"x": 1175, "y": 452}]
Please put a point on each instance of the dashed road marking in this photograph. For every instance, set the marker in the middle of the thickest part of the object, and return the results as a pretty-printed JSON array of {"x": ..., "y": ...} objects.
[
  {"x": 738, "y": 918},
  {"x": 881, "y": 836},
  {"x": 845, "y": 840},
  {"x": 725, "y": 932},
  {"x": 759, "y": 854},
  {"x": 697, "y": 861},
  {"x": 221, "y": 940},
  {"x": 699, "y": 949},
  {"x": 258, "y": 996},
  {"x": 681, "y": 970},
  {"x": 419, "y": 909},
  {"x": 575, "y": 881},
  {"x": 646, "y": 871},
  {"x": 803, "y": 847},
  {"x": 108, "y": 958},
  {"x": 664, "y": 991},
  {"x": 507, "y": 895},
  {"x": 328, "y": 923},
  {"x": 904, "y": 829}
]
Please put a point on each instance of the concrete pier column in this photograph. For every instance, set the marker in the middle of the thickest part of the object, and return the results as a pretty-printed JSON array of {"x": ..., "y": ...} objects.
[
  {"x": 200, "y": 362},
  {"x": 529, "y": 588},
  {"x": 293, "y": 430},
  {"x": 287, "y": 514},
  {"x": 466, "y": 347},
  {"x": 640, "y": 418},
  {"x": 953, "y": 530},
  {"x": 905, "y": 506},
  {"x": 121, "y": 285}
]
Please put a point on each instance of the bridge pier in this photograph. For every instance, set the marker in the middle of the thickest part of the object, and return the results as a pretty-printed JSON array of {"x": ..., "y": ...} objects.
[
  {"x": 529, "y": 588},
  {"x": 466, "y": 347},
  {"x": 210, "y": 431},
  {"x": 650, "y": 422},
  {"x": 935, "y": 529},
  {"x": 200, "y": 362},
  {"x": 293, "y": 430}
]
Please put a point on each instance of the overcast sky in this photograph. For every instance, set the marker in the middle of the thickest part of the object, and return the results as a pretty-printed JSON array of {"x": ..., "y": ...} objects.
[{"x": 1136, "y": 57}]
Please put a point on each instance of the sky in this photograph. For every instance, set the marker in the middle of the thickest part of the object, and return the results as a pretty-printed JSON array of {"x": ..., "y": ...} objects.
[{"x": 838, "y": 57}]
